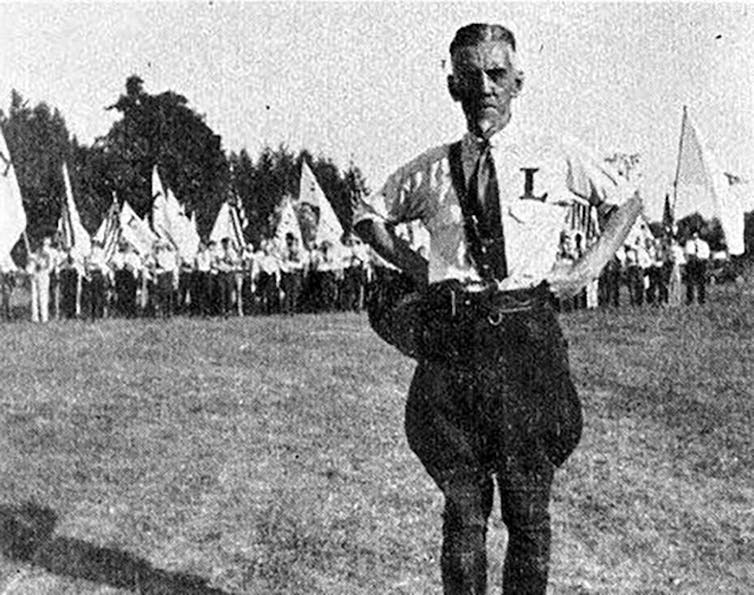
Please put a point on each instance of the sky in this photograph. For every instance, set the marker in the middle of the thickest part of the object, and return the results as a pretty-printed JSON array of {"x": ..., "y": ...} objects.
[{"x": 366, "y": 82}]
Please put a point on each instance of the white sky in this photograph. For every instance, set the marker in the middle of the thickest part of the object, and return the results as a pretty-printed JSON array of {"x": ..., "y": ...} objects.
[{"x": 365, "y": 81}]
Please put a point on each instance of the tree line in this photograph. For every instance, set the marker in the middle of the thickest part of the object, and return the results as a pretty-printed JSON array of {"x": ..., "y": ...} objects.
[{"x": 163, "y": 130}]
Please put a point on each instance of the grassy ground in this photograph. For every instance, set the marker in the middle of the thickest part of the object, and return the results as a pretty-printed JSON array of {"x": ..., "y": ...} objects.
[{"x": 267, "y": 455}]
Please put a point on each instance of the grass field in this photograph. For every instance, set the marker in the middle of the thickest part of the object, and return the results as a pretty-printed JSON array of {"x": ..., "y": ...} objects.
[{"x": 267, "y": 455}]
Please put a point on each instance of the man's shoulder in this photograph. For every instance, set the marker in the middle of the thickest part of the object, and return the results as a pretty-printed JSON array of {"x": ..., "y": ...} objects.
[{"x": 424, "y": 160}]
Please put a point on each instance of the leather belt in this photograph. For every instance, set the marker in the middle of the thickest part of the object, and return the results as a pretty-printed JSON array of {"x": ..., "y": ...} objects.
[{"x": 456, "y": 300}]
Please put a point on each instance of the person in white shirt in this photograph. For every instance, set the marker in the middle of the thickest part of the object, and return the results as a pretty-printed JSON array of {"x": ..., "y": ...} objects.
[
  {"x": 40, "y": 265},
  {"x": 697, "y": 254},
  {"x": 294, "y": 263},
  {"x": 678, "y": 261},
  {"x": 491, "y": 398},
  {"x": 201, "y": 288},
  {"x": 96, "y": 271},
  {"x": 165, "y": 275},
  {"x": 126, "y": 265}
]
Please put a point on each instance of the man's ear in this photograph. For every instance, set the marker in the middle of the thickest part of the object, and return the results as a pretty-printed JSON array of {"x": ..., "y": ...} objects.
[
  {"x": 453, "y": 88},
  {"x": 518, "y": 83}
]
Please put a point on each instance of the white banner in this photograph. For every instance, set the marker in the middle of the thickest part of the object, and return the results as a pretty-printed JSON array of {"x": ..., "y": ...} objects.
[{"x": 12, "y": 214}]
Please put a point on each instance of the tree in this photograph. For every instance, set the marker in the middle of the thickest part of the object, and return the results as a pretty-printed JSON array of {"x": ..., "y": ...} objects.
[
  {"x": 38, "y": 141},
  {"x": 162, "y": 130}
]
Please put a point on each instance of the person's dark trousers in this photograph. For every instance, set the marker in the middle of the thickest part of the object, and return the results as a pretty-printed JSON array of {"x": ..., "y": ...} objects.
[
  {"x": 329, "y": 291},
  {"x": 247, "y": 294},
  {"x": 164, "y": 289},
  {"x": 226, "y": 281},
  {"x": 54, "y": 295},
  {"x": 95, "y": 294},
  {"x": 68, "y": 285},
  {"x": 215, "y": 294},
  {"x": 203, "y": 281},
  {"x": 351, "y": 294},
  {"x": 266, "y": 287},
  {"x": 663, "y": 280},
  {"x": 653, "y": 273},
  {"x": 184, "y": 297},
  {"x": 292, "y": 283},
  {"x": 125, "y": 292},
  {"x": 613, "y": 287},
  {"x": 635, "y": 285},
  {"x": 696, "y": 271},
  {"x": 494, "y": 413}
]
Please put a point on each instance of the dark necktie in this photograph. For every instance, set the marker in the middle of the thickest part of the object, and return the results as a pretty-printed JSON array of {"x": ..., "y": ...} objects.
[{"x": 483, "y": 190}]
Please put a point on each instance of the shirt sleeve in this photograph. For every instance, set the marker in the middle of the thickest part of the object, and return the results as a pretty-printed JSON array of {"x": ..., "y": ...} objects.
[
  {"x": 406, "y": 195},
  {"x": 594, "y": 180}
]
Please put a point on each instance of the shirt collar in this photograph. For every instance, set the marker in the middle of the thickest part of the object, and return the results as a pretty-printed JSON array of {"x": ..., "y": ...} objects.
[{"x": 473, "y": 145}]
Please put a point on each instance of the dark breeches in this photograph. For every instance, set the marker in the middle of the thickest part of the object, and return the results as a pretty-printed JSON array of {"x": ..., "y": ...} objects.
[{"x": 510, "y": 412}]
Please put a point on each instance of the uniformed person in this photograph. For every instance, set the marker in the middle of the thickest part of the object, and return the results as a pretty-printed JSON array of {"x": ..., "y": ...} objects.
[
  {"x": 70, "y": 279},
  {"x": 697, "y": 253},
  {"x": 96, "y": 271},
  {"x": 126, "y": 266},
  {"x": 40, "y": 265},
  {"x": 293, "y": 265},
  {"x": 492, "y": 396}
]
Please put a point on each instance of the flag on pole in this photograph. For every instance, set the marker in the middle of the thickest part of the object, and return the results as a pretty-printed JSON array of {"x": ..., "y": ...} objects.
[
  {"x": 136, "y": 231},
  {"x": 12, "y": 214},
  {"x": 310, "y": 192},
  {"x": 228, "y": 225},
  {"x": 288, "y": 223},
  {"x": 701, "y": 186},
  {"x": 667, "y": 216},
  {"x": 73, "y": 234},
  {"x": 108, "y": 233},
  {"x": 170, "y": 222}
]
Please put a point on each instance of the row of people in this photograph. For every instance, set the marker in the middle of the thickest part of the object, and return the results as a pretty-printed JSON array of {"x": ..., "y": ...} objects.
[
  {"x": 218, "y": 280},
  {"x": 653, "y": 271}
]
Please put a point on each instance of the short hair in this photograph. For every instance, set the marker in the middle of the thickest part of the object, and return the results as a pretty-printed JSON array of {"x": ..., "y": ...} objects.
[{"x": 475, "y": 33}]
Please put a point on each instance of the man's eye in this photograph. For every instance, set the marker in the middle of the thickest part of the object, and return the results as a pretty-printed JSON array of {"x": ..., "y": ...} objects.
[{"x": 497, "y": 74}]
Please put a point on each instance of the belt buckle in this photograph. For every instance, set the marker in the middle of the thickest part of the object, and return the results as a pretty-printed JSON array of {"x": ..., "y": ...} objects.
[{"x": 495, "y": 318}]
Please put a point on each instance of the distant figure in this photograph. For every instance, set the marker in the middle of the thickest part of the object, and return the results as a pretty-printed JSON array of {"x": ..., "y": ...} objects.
[
  {"x": 201, "y": 287},
  {"x": 165, "y": 274},
  {"x": 675, "y": 285},
  {"x": 39, "y": 267},
  {"x": 7, "y": 283},
  {"x": 95, "y": 283},
  {"x": 697, "y": 254},
  {"x": 70, "y": 273},
  {"x": 293, "y": 266}
]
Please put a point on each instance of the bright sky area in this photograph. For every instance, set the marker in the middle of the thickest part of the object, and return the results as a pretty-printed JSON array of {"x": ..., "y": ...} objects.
[{"x": 366, "y": 81}]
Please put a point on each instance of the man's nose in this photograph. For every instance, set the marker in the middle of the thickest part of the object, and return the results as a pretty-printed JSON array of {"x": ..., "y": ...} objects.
[{"x": 484, "y": 83}]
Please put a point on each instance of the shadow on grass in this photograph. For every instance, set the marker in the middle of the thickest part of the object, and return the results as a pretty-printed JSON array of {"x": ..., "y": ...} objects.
[{"x": 26, "y": 535}]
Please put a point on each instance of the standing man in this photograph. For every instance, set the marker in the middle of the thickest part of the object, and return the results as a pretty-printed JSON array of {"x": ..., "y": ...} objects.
[
  {"x": 697, "y": 254},
  {"x": 491, "y": 398},
  {"x": 293, "y": 265},
  {"x": 40, "y": 266},
  {"x": 96, "y": 271}
]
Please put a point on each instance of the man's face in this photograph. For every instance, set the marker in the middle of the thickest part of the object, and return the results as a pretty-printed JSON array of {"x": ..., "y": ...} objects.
[{"x": 485, "y": 80}]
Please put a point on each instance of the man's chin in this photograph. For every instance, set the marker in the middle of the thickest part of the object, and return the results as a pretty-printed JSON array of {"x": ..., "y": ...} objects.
[{"x": 486, "y": 127}]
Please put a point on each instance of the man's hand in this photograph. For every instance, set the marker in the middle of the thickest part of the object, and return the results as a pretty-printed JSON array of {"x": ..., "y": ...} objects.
[
  {"x": 380, "y": 236},
  {"x": 567, "y": 281}
]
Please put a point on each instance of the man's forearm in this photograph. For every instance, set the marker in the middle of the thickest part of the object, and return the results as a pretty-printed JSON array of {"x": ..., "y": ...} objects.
[
  {"x": 381, "y": 237},
  {"x": 566, "y": 283}
]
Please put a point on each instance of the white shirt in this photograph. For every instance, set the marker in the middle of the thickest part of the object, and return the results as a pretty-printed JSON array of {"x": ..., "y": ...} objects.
[
  {"x": 423, "y": 189},
  {"x": 698, "y": 248}
]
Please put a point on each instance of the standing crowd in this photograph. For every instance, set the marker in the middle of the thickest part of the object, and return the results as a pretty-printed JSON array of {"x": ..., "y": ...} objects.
[
  {"x": 652, "y": 270},
  {"x": 219, "y": 280},
  {"x": 223, "y": 281}
]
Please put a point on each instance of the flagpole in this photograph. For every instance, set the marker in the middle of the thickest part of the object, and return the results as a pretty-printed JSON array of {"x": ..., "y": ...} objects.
[{"x": 678, "y": 164}]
